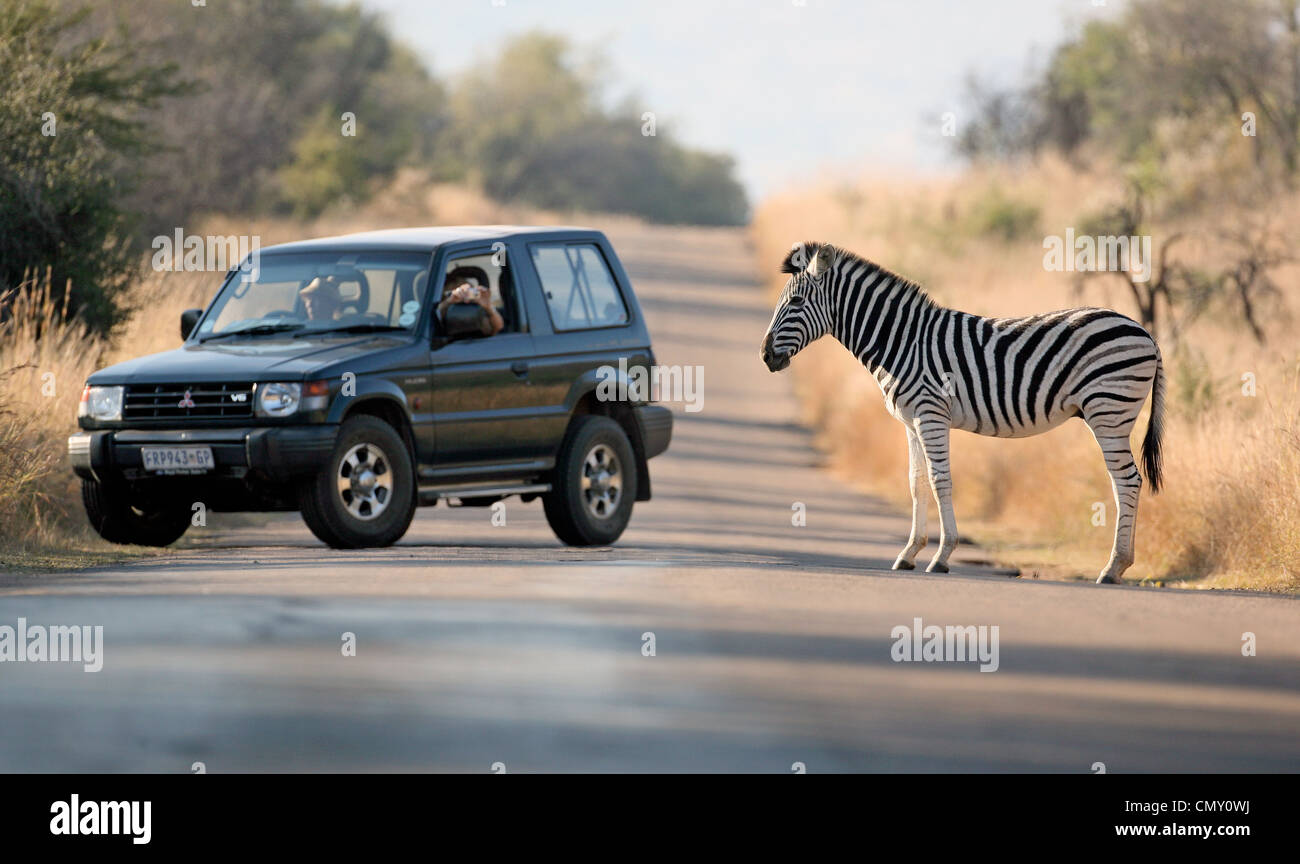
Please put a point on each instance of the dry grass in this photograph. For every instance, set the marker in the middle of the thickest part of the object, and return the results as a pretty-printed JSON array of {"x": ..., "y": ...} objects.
[
  {"x": 43, "y": 364},
  {"x": 1228, "y": 515},
  {"x": 44, "y": 361}
]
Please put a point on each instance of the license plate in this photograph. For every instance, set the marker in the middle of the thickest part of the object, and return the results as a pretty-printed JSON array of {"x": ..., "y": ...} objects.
[{"x": 177, "y": 460}]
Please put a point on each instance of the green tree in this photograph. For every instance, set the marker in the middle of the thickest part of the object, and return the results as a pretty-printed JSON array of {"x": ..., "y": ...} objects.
[
  {"x": 70, "y": 128},
  {"x": 327, "y": 167},
  {"x": 1194, "y": 67},
  {"x": 267, "y": 72},
  {"x": 529, "y": 126}
]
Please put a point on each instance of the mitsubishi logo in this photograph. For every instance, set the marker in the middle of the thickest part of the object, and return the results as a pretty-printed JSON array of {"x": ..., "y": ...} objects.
[{"x": 186, "y": 401}]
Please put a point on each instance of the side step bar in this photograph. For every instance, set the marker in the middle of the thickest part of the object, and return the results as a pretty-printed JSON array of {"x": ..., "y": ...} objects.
[{"x": 430, "y": 494}]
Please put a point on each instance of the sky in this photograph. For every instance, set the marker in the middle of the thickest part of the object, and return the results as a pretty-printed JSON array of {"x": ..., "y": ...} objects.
[{"x": 792, "y": 89}]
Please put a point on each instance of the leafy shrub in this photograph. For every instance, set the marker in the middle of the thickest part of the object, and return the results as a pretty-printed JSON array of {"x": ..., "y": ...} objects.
[
  {"x": 68, "y": 118},
  {"x": 994, "y": 214}
]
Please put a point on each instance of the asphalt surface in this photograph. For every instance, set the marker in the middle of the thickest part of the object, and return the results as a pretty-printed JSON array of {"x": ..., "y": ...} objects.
[{"x": 483, "y": 648}]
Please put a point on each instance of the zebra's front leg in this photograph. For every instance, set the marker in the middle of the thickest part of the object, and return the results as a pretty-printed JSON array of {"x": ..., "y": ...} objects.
[
  {"x": 916, "y": 472},
  {"x": 933, "y": 435}
]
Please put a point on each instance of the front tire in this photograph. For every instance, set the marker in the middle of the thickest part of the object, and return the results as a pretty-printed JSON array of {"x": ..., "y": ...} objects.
[
  {"x": 594, "y": 484},
  {"x": 365, "y": 494},
  {"x": 119, "y": 519}
]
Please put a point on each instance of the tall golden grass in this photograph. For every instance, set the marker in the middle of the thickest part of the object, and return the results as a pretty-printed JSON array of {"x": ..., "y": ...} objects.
[
  {"x": 45, "y": 358},
  {"x": 1229, "y": 516},
  {"x": 44, "y": 361}
]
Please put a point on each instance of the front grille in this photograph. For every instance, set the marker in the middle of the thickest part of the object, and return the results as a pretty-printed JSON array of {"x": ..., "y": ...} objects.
[{"x": 173, "y": 401}]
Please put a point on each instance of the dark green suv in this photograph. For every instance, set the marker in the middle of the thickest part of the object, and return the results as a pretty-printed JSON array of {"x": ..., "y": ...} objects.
[{"x": 349, "y": 379}]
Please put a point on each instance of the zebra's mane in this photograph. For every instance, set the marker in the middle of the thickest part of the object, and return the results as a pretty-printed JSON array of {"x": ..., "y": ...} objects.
[{"x": 841, "y": 257}]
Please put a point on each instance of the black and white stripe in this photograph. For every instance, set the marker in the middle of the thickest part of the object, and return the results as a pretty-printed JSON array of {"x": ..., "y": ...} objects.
[{"x": 942, "y": 369}]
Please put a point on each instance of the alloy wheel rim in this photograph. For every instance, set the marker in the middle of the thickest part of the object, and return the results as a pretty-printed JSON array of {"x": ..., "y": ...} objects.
[
  {"x": 365, "y": 482},
  {"x": 602, "y": 481}
]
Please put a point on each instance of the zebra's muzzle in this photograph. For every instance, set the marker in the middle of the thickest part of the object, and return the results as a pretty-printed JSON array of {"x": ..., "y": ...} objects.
[{"x": 775, "y": 362}]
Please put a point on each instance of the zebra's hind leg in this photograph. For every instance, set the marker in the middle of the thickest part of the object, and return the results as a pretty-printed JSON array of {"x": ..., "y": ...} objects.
[
  {"x": 1127, "y": 483},
  {"x": 916, "y": 475},
  {"x": 932, "y": 433}
]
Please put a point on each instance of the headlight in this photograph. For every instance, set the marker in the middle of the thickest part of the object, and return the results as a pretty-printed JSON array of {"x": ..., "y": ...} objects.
[
  {"x": 278, "y": 399},
  {"x": 101, "y": 403}
]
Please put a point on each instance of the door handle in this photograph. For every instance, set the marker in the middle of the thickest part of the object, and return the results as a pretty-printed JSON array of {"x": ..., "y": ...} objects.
[{"x": 520, "y": 368}]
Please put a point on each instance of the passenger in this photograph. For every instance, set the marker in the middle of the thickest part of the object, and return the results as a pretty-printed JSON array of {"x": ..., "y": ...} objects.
[{"x": 468, "y": 290}]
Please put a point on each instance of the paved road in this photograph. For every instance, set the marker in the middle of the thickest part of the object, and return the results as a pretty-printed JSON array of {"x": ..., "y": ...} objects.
[{"x": 479, "y": 645}]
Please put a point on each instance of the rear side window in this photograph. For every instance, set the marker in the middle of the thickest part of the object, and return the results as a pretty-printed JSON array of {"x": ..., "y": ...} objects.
[{"x": 580, "y": 291}]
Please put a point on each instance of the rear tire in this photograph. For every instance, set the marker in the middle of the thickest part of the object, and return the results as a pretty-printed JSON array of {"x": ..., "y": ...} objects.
[
  {"x": 594, "y": 483},
  {"x": 118, "y": 519},
  {"x": 365, "y": 494}
]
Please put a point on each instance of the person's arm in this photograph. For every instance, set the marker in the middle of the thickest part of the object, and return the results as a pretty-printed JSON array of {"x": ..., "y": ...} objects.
[
  {"x": 484, "y": 299},
  {"x": 460, "y": 294}
]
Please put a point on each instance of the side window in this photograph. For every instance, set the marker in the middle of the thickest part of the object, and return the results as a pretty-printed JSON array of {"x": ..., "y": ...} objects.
[
  {"x": 482, "y": 269},
  {"x": 580, "y": 291}
]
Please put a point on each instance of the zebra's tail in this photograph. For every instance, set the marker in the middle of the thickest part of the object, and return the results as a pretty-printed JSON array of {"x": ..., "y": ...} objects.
[{"x": 1151, "y": 459}]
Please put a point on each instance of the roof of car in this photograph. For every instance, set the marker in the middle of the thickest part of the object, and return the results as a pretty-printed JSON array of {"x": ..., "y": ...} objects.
[{"x": 424, "y": 238}]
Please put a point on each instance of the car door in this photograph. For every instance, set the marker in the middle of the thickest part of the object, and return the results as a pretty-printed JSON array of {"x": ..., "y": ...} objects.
[
  {"x": 485, "y": 405},
  {"x": 584, "y": 318}
]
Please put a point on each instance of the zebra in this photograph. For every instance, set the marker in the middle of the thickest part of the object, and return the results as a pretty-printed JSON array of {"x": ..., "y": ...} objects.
[{"x": 941, "y": 369}]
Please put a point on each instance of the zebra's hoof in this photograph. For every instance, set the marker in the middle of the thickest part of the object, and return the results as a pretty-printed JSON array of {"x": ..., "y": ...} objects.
[
  {"x": 900, "y": 564},
  {"x": 936, "y": 567},
  {"x": 1103, "y": 579}
]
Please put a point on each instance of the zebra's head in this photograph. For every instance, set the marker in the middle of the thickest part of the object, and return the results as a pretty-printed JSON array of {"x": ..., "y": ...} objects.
[{"x": 803, "y": 312}]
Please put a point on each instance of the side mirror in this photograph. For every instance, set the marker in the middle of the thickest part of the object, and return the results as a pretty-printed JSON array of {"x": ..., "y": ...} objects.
[
  {"x": 189, "y": 318},
  {"x": 466, "y": 320}
]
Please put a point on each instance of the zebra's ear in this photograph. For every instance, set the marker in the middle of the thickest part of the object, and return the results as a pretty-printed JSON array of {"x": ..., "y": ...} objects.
[
  {"x": 795, "y": 260},
  {"x": 823, "y": 255},
  {"x": 799, "y": 256}
]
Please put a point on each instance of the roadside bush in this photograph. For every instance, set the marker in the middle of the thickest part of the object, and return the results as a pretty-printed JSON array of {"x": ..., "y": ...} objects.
[{"x": 995, "y": 214}]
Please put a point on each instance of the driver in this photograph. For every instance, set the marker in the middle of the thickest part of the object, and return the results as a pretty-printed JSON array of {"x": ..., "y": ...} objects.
[{"x": 321, "y": 298}]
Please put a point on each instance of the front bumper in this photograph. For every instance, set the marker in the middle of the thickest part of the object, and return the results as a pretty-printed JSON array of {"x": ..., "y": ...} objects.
[{"x": 281, "y": 453}]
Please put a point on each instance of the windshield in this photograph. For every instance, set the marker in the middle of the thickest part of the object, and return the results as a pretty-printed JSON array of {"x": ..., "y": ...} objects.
[{"x": 318, "y": 291}]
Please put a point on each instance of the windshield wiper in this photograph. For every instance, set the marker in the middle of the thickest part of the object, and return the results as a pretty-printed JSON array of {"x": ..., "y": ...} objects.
[
  {"x": 349, "y": 328},
  {"x": 254, "y": 331}
]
